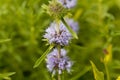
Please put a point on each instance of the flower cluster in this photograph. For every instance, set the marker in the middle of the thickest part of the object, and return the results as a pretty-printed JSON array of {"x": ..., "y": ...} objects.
[
  {"x": 60, "y": 61},
  {"x": 60, "y": 32},
  {"x": 61, "y": 36}
]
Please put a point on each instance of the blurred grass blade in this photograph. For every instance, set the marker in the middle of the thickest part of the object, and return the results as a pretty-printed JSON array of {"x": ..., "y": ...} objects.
[
  {"x": 85, "y": 70},
  {"x": 78, "y": 14},
  {"x": 69, "y": 28},
  {"x": 118, "y": 78},
  {"x": 38, "y": 62},
  {"x": 117, "y": 34},
  {"x": 6, "y": 75},
  {"x": 97, "y": 74},
  {"x": 6, "y": 40}
]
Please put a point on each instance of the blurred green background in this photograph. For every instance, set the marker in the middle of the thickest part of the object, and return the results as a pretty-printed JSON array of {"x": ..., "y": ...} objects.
[{"x": 23, "y": 23}]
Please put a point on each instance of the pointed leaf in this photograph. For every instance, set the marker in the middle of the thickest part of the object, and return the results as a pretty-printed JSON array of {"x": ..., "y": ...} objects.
[
  {"x": 38, "y": 62},
  {"x": 69, "y": 28},
  {"x": 97, "y": 74}
]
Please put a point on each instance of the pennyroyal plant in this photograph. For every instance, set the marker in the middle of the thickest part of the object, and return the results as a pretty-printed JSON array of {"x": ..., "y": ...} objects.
[{"x": 58, "y": 34}]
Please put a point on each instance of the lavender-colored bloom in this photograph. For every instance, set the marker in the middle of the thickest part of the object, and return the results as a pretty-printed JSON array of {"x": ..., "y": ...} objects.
[
  {"x": 58, "y": 34},
  {"x": 73, "y": 24},
  {"x": 68, "y": 3},
  {"x": 58, "y": 62}
]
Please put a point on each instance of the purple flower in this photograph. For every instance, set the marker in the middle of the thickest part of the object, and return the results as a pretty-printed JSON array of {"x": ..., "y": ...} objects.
[
  {"x": 58, "y": 34},
  {"x": 58, "y": 62},
  {"x": 68, "y": 3}
]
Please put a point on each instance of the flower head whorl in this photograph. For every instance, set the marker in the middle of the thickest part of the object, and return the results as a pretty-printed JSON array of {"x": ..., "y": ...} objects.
[
  {"x": 62, "y": 37},
  {"x": 54, "y": 63},
  {"x": 55, "y": 9}
]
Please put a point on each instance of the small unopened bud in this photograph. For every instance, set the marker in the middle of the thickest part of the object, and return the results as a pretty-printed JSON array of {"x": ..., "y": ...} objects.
[{"x": 54, "y": 9}]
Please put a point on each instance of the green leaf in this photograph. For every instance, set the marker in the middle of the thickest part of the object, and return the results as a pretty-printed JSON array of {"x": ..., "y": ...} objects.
[
  {"x": 69, "y": 28},
  {"x": 38, "y": 62},
  {"x": 98, "y": 75}
]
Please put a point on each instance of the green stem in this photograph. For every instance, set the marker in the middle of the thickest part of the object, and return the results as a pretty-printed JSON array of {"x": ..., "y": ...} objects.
[
  {"x": 59, "y": 51},
  {"x": 59, "y": 55},
  {"x": 69, "y": 28},
  {"x": 59, "y": 77},
  {"x": 107, "y": 71},
  {"x": 63, "y": 75}
]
